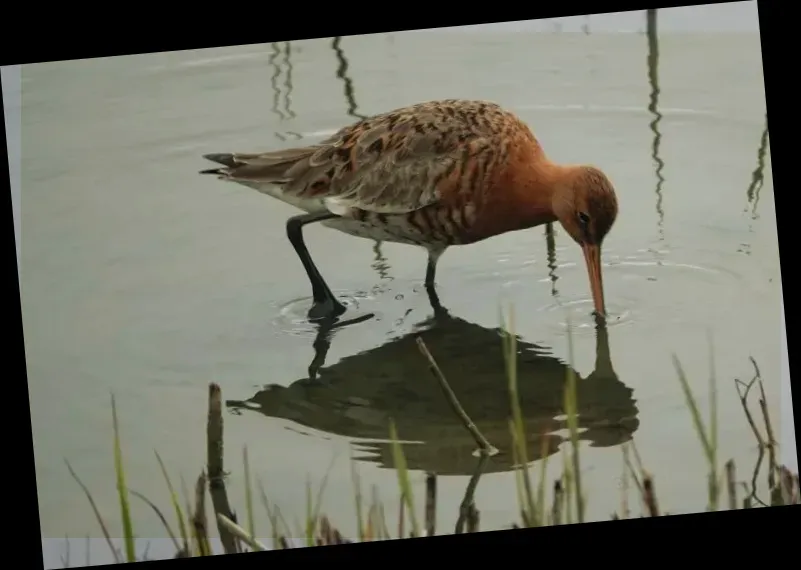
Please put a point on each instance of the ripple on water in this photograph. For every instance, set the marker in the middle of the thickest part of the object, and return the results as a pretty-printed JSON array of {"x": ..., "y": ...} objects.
[
  {"x": 292, "y": 315},
  {"x": 640, "y": 288},
  {"x": 576, "y": 315},
  {"x": 516, "y": 260}
]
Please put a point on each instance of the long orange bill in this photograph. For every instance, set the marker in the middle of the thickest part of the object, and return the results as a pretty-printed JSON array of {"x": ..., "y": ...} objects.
[{"x": 592, "y": 255}]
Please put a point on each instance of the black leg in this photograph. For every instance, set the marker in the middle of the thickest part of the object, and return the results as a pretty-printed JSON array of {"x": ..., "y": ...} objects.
[
  {"x": 325, "y": 304},
  {"x": 431, "y": 272}
]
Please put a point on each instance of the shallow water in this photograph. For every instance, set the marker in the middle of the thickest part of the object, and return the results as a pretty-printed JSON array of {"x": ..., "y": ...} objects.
[{"x": 141, "y": 278}]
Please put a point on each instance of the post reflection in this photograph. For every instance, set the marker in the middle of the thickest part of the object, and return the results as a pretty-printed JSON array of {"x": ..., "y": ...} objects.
[
  {"x": 281, "y": 105},
  {"x": 288, "y": 80},
  {"x": 550, "y": 244},
  {"x": 758, "y": 175},
  {"x": 653, "y": 108},
  {"x": 381, "y": 265},
  {"x": 347, "y": 82}
]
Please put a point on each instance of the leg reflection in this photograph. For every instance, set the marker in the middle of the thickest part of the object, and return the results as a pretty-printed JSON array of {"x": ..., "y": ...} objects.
[{"x": 322, "y": 341}]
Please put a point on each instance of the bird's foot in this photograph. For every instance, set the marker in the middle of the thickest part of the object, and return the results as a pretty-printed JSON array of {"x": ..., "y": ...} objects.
[{"x": 326, "y": 309}]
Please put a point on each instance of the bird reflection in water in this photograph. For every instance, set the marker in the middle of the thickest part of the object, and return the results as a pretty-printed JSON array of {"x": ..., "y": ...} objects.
[{"x": 357, "y": 396}]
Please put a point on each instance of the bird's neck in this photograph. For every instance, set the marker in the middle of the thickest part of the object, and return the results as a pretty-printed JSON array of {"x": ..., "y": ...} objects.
[
  {"x": 535, "y": 191},
  {"x": 522, "y": 197}
]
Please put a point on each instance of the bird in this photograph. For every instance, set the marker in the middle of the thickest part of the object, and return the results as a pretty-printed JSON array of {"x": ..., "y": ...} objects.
[{"x": 434, "y": 174}]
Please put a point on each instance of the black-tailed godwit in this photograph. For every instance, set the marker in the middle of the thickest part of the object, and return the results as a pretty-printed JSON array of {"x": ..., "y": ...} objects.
[{"x": 434, "y": 174}]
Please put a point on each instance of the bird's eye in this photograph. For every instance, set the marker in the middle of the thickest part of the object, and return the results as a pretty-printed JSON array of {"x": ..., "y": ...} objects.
[{"x": 584, "y": 219}]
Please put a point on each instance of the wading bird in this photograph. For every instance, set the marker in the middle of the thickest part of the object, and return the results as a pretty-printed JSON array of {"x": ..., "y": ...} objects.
[{"x": 434, "y": 174}]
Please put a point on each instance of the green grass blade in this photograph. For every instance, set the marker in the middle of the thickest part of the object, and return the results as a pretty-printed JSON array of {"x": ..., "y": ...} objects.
[
  {"x": 709, "y": 449},
  {"x": 314, "y": 513},
  {"x": 248, "y": 494},
  {"x": 698, "y": 422},
  {"x": 543, "y": 475},
  {"x": 714, "y": 481},
  {"x": 309, "y": 511},
  {"x": 509, "y": 343},
  {"x": 190, "y": 520},
  {"x": 567, "y": 476},
  {"x": 271, "y": 514},
  {"x": 357, "y": 496},
  {"x": 176, "y": 504},
  {"x": 521, "y": 498},
  {"x": 96, "y": 511},
  {"x": 403, "y": 477},
  {"x": 160, "y": 515},
  {"x": 571, "y": 409},
  {"x": 122, "y": 489}
]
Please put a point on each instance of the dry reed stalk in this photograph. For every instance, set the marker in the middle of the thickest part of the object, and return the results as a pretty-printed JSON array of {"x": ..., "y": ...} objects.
[
  {"x": 649, "y": 496},
  {"x": 473, "y": 518},
  {"x": 431, "y": 504},
  {"x": 199, "y": 524},
  {"x": 468, "y": 501},
  {"x": 240, "y": 533},
  {"x": 731, "y": 484},
  {"x": 214, "y": 468},
  {"x": 556, "y": 507},
  {"x": 484, "y": 446}
]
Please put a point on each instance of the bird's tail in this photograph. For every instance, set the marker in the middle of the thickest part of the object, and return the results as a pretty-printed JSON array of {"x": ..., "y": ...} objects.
[{"x": 268, "y": 167}]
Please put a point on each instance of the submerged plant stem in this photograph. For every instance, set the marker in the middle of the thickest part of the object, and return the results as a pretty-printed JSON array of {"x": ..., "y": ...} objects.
[
  {"x": 484, "y": 446},
  {"x": 467, "y": 510}
]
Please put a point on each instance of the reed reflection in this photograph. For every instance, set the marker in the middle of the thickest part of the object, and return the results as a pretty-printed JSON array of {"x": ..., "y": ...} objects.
[
  {"x": 381, "y": 265},
  {"x": 357, "y": 396},
  {"x": 276, "y": 106},
  {"x": 288, "y": 80},
  {"x": 653, "y": 108},
  {"x": 342, "y": 75},
  {"x": 758, "y": 176},
  {"x": 550, "y": 244},
  {"x": 282, "y": 90}
]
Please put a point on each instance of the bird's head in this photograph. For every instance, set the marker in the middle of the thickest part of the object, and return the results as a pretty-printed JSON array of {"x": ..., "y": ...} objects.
[{"x": 585, "y": 203}]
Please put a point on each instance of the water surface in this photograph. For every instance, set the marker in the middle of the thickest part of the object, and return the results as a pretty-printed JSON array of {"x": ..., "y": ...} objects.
[{"x": 142, "y": 278}]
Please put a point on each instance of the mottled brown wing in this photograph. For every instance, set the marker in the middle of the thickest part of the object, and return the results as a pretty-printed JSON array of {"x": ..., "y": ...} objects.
[
  {"x": 386, "y": 169},
  {"x": 396, "y": 162}
]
